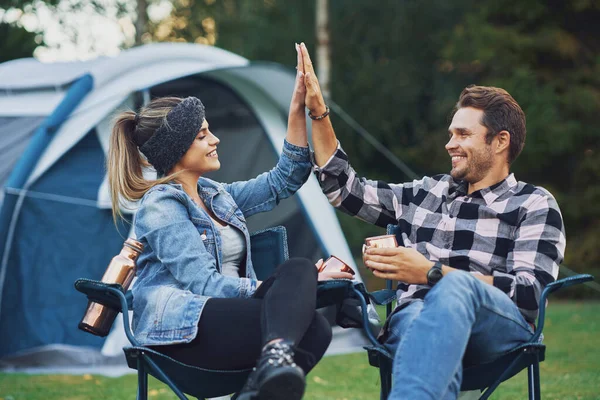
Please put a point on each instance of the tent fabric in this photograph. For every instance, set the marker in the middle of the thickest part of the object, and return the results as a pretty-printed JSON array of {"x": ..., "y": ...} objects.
[
  {"x": 31, "y": 74},
  {"x": 53, "y": 252},
  {"x": 15, "y": 133},
  {"x": 63, "y": 227}
]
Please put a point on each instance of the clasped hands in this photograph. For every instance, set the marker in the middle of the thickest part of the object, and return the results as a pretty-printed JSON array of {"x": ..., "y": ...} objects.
[{"x": 397, "y": 263}]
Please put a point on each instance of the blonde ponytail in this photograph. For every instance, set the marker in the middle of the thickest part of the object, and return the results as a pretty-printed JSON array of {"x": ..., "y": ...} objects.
[{"x": 125, "y": 163}]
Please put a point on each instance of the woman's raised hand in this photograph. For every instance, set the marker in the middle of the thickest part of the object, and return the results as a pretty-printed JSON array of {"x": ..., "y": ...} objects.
[
  {"x": 296, "y": 132},
  {"x": 299, "y": 95},
  {"x": 314, "y": 98}
]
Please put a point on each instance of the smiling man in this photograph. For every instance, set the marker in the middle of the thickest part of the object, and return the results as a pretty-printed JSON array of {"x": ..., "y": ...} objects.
[{"x": 478, "y": 245}]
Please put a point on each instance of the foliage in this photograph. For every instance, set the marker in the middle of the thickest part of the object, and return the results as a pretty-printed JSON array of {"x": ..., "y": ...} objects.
[
  {"x": 16, "y": 42},
  {"x": 256, "y": 29},
  {"x": 66, "y": 19},
  {"x": 398, "y": 68},
  {"x": 546, "y": 54}
]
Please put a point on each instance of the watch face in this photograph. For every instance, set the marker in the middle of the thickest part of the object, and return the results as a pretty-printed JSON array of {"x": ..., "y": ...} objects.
[{"x": 434, "y": 275}]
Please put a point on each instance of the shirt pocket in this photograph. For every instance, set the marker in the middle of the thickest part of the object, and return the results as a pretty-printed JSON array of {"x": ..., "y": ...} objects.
[{"x": 207, "y": 236}]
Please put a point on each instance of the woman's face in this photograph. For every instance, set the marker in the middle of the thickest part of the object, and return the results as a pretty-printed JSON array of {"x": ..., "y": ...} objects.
[{"x": 202, "y": 155}]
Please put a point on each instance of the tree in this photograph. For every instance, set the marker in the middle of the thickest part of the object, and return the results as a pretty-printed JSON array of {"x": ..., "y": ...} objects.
[
  {"x": 16, "y": 42},
  {"x": 547, "y": 55},
  {"x": 256, "y": 29},
  {"x": 75, "y": 18}
]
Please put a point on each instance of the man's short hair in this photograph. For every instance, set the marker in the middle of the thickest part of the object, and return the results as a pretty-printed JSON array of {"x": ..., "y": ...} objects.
[{"x": 500, "y": 113}]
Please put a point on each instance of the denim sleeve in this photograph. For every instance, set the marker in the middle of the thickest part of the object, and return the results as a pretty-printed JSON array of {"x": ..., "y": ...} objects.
[
  {"x": 265, "y": 191},
  {"x": 163, "y": 222}
]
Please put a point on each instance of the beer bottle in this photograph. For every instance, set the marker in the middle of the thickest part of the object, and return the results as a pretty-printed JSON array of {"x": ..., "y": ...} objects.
[{"x": 98, "y": 319}]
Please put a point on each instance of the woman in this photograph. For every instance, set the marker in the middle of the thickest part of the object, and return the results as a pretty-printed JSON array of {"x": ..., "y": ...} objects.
[{"x": 197, "y": 298}]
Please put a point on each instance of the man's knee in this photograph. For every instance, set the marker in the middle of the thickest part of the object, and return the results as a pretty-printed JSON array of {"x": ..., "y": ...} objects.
[
  {"x": 457, "y": 285},
  {"x": 400, "y": 322}
]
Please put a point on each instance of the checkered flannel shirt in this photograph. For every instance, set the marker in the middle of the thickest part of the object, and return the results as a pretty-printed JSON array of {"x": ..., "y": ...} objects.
[{"x": 512, "y": 230}]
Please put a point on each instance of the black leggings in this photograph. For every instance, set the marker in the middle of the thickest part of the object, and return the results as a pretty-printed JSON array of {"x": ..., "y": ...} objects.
[{"x": 232, "y": 331}]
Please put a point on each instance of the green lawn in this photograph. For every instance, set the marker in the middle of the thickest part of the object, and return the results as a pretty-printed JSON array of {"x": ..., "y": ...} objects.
[{"x": 571, "y": 370}]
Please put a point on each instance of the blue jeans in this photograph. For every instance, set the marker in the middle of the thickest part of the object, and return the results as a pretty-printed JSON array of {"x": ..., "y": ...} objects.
[{"x": 461, "y": 319}]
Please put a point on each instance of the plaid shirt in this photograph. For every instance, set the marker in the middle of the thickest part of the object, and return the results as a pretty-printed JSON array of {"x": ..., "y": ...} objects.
[{"x": 512, "y": 230}]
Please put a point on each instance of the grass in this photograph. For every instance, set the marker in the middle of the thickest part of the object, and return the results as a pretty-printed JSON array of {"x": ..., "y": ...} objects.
[{"x": 571, "y": 370}]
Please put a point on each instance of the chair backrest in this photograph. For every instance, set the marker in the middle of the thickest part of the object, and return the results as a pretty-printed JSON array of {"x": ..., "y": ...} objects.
[{"x": 269, "y": 249}]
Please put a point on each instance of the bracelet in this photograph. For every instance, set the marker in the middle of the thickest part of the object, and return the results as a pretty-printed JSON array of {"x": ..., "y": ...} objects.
[{"x": 319, "y": 117}]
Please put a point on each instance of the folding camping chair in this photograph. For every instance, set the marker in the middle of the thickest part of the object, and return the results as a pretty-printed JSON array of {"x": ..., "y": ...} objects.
[
  {"x": 269, "y": 249},
  {"x": 483, "y": 377}
]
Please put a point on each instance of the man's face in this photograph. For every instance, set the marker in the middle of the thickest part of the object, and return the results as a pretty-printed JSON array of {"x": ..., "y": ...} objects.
[{"x": 472, "y": 157}]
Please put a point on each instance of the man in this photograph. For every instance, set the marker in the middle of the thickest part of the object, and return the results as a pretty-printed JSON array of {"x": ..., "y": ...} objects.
[{"x": 478, "y": 246}]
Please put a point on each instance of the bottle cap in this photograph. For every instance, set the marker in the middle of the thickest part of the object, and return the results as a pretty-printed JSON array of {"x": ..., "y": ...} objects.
[{"x": 134, "y": 244}]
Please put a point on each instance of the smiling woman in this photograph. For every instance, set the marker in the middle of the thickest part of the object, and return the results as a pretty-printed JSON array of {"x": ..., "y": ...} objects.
[{"x": 197, "y": 298}]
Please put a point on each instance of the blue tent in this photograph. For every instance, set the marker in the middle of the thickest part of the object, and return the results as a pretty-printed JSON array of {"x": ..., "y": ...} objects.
[{"x": 55, "y": 220}]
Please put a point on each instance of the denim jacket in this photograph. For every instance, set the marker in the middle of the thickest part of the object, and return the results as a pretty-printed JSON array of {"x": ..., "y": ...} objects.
[{"x": 180, "y": 266}]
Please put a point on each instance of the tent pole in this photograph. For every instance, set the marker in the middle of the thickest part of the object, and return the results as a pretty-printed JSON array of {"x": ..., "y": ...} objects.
[{"x": 39, "y": 142}]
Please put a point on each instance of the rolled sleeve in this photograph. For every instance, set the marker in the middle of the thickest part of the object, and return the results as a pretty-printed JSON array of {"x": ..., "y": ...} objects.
[
  {"x": 296, "y": 153},
  {"x": 247, "y": 287},
  {"x": 337, "y": 164}
]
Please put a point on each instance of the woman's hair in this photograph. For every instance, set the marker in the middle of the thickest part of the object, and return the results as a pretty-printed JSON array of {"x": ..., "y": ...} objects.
[{"x": 125, "y": 162}]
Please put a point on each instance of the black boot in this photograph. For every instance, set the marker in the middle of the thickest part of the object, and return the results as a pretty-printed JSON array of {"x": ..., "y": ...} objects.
[{"x": 275, "y": 377}]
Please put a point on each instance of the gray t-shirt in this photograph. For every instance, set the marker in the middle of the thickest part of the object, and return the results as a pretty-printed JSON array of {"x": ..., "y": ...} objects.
[{"x": 234, "y": 250}]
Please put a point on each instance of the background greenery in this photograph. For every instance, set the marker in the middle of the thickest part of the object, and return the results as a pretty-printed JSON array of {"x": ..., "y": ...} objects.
[{"x": 399, "y": 66}]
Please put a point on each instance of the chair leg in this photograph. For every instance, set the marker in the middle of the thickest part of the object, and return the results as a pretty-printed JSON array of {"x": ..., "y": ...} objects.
[
  {"x": 533, "y": 374},
  {"x": 385, "y": 375},
  {"x": 142, "y": 393},
  {"x": 488, "y": 392},
  {"x": 158, "y": 373}
]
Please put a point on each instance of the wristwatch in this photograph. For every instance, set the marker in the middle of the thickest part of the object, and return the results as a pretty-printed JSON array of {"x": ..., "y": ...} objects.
[{"x": 434, "y": 274}]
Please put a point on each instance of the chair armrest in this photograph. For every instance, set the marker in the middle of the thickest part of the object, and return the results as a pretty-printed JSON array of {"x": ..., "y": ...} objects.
[
  {"x": 566, "y": 282},
  {"x": 110, "y": 295},
  {"x": 333, "y": 291},
  {"x": 383, "y": 297},
  {"x": 551, "y": 288},
  {"x": 97, "y": 292}
]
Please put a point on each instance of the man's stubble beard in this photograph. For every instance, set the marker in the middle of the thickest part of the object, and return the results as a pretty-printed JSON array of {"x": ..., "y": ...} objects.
[{"x": 477, "y": 166}]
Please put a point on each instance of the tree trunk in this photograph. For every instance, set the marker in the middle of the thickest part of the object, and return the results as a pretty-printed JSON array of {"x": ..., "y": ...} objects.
[
  {"x": 142, "y": 21},
  {"x": 323, "y": 51}
]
